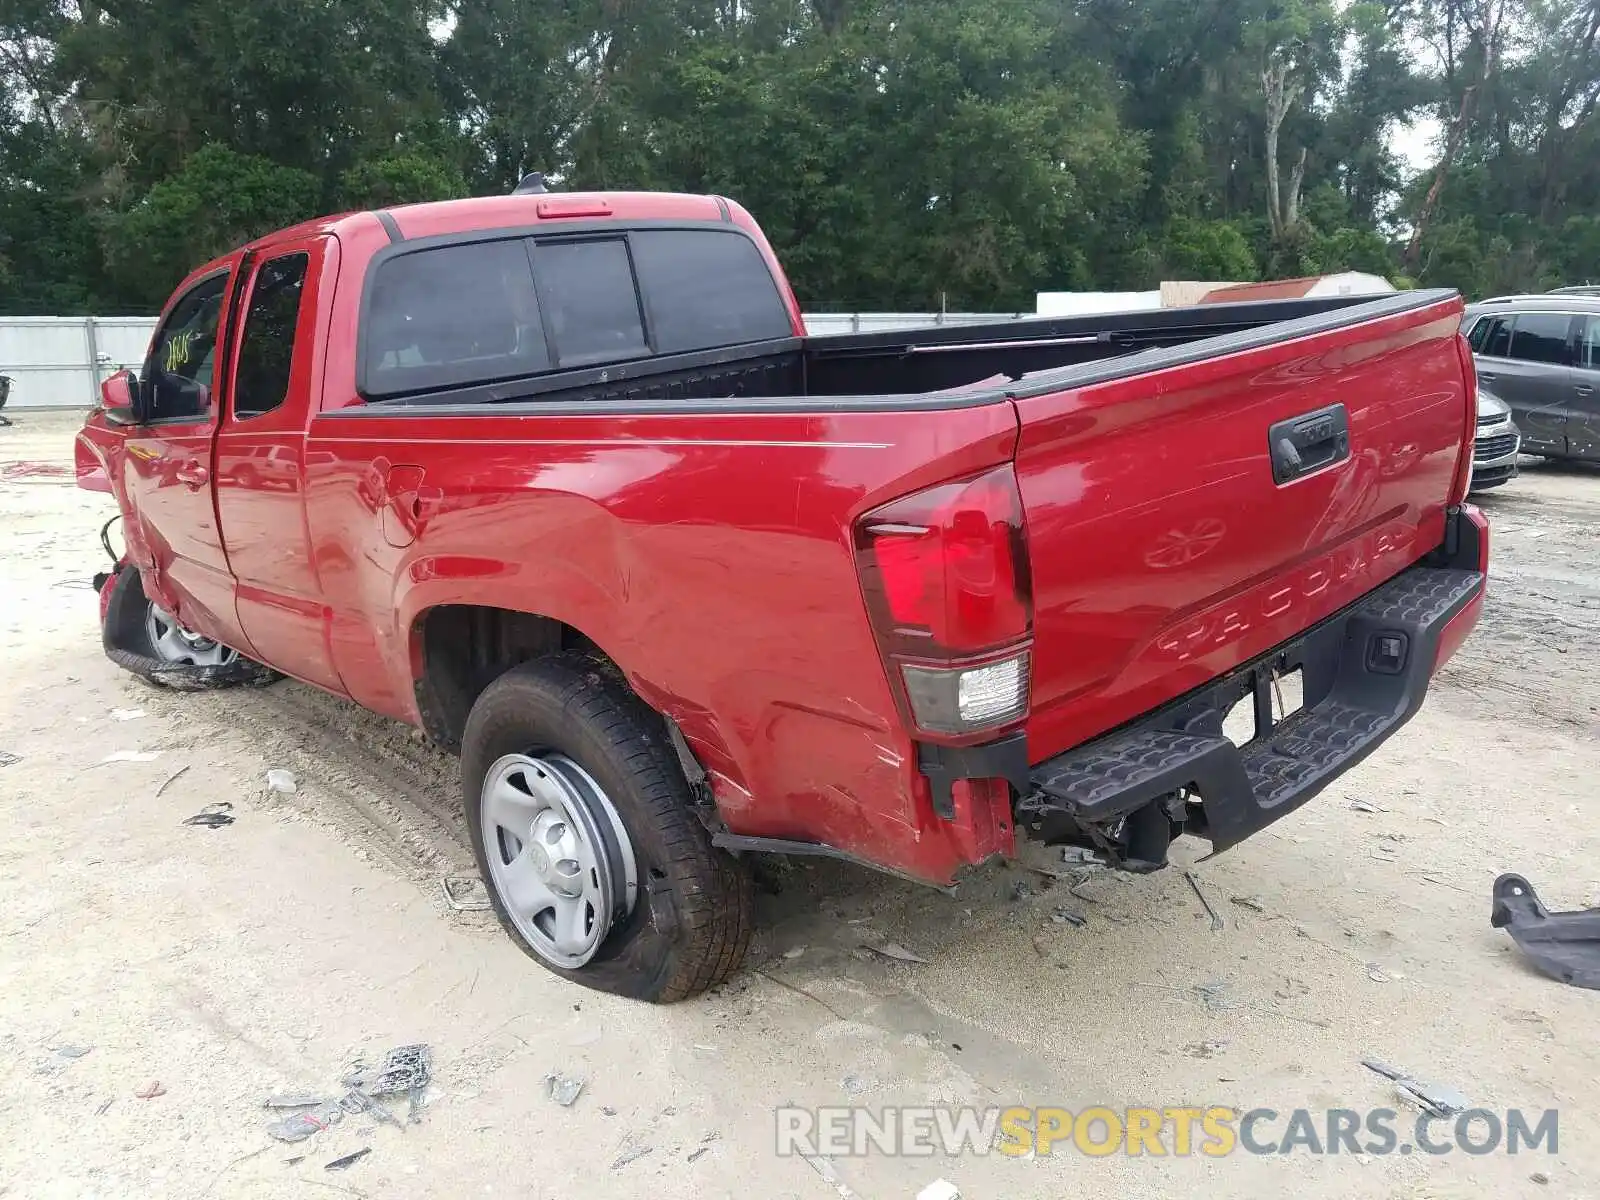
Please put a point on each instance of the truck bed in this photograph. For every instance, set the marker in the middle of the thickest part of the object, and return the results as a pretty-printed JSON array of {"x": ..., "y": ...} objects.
[{"x": 923, "y": 367}]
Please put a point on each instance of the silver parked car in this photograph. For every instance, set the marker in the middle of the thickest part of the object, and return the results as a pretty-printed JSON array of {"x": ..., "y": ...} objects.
[
  {"x": 1496, "y": 445},
  {"x": 1541, "y": 355}
]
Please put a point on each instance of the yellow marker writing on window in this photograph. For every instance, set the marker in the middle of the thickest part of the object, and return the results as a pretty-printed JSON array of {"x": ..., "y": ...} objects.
[{"x": 178, "y": 349}]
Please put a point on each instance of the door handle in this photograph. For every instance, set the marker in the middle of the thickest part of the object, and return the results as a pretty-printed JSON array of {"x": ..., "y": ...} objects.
[
  {"x": 1308, "y": 443},
  {"x": 1584, "y": 389},
  {"x": 192, "y": 475}
]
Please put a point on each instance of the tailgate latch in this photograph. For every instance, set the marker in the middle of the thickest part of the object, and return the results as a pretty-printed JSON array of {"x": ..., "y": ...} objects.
[{"x": 1309, "y": 442}]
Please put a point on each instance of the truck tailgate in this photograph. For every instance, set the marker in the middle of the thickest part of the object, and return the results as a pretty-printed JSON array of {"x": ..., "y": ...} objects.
[{"x": 1171, "y": 539}]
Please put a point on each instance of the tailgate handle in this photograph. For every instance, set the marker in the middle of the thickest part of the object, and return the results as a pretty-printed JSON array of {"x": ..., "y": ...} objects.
[{"x": 1309, "y": 442}]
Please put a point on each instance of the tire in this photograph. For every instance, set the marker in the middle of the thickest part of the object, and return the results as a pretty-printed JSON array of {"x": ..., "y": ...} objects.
[
  {"x": 692, "y": 910},
  {"x": 128, "y": 642}
]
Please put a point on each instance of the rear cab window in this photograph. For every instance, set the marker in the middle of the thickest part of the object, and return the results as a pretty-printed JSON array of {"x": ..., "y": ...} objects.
[{"x": 489, "y": 311}]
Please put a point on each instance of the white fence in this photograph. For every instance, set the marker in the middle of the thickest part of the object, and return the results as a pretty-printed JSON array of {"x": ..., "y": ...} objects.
[{"x": 58, "y": 362}]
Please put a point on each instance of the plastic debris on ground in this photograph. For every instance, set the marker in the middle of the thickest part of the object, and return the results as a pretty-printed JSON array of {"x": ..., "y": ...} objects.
[
  {"x": 1065, "y": 916},
  {"x": 1217, "y": 923},
  {"x": 630, "y": 1152},
  {"x": 131, "y": 756},
  {"x": 69, "y": 1051},
  {"x": 564, "y": 1091},
  {"x": 340, "y": 1164},
  {"x": 1434, "y": 1099},
  {"x": 281, "y": 782},
  {"x": 405, "y": 1070},
  {"x": 1364, "y": 806},
  {"x": 464, "y": 893},
  {"x": 1564, "y": 945},
  {"x": 940, "y": 1189},
  {"x": 126, "y": 714},
  {"x": 212, "y": 816},
  {"x": 895, "y": 951},
  {"x": 150, "y": 1091},
  {"x": 7, "y": 758},
  {"x": 1253, "y": 903}
]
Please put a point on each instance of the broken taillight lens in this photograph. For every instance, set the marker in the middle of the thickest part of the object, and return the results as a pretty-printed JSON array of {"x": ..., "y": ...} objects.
[{"x": 945, "y": 575}]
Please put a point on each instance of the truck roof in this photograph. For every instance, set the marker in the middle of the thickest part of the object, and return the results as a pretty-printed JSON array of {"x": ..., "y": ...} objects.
[{"x": 507, "y": 212}]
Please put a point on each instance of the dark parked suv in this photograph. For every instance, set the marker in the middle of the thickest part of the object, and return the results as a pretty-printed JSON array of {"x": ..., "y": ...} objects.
[{"x": 1541, "y": 355}]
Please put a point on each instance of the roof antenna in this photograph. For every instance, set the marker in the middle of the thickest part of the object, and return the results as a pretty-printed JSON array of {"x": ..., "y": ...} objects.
[{"x": 531, "y": 184}]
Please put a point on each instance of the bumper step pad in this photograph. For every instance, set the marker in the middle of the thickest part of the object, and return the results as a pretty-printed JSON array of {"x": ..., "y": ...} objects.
[{"x": 1364, "y": 671}]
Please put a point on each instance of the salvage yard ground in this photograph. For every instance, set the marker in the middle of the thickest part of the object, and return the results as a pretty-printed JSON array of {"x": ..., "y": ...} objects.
[{"x": 257, "y": 957}]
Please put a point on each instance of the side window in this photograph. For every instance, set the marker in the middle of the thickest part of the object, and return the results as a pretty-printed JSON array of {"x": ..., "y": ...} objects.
[
  {"x": 591, "y": 303},
  {"x": 1540, "y": 337},
  {"x": 183, "y": 354},
  {"x": 261, "y": 382},
  {"x": 1589, "y": 348},
  {"x": 452, "y": 316},
  {"x": 705, "y": 288},
  {"x": 1492, "y": 336}
]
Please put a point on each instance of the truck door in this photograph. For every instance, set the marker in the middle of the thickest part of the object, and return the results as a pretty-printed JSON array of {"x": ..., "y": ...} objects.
[
  {"x": 260, "y": 461},
  {"x": 168, "y": 473}
]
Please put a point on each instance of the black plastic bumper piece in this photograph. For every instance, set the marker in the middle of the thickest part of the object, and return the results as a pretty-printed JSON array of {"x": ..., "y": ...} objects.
[
  {"x": 943, "y": 765},
  {"x": 1564, "y": 945},
  {"x": 1364, "y": 673}
]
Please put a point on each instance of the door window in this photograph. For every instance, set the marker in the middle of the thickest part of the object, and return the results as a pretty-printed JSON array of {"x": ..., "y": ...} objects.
[
  {"x": 1589, "y": 347},
  {"x": 1540, "y": 337},
  {"x": 1491, "y": 336},
  {"x": 261, "y": 382},
  {"x": 184, "y": 353}
]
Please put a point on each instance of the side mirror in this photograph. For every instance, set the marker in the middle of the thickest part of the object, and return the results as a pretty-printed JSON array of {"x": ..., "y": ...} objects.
[{"x": 117, "y": 396}]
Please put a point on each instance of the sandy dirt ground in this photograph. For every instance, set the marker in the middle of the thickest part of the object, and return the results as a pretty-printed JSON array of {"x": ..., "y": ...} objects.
[{"x": 232, "y": 963}]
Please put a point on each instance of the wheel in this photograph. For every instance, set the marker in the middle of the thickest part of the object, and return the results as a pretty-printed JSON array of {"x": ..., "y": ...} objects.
[
  {"x": 583, "y": 828},
  {"x": 147, "y": 640}
]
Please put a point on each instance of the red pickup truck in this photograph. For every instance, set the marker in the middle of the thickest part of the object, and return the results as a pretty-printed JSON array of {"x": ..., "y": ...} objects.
[{"x": 561, "y": 479}]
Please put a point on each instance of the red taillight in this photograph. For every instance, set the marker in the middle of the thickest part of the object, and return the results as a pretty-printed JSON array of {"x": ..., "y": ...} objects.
[
  {"x": 1469, "y": 377},
  {"x": 945, "y": 575}
]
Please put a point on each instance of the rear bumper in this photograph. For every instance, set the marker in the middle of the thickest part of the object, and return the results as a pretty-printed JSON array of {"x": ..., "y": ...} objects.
[{"x": 1365, "y": 672}]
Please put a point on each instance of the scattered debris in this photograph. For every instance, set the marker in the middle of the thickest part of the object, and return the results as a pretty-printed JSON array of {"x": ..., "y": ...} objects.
[
  {"x": 1217, "y": 923},
  {"x": 295, "y": 1161},
  {"x": 1206, "y": 1049},
  {"x": 127, "y": 714},
  {"x": 794, "y": 952},
  {"x": 940, "y": 1189},
  {"x": 339, "y": 1164},
  {"x": 282, "y": 782},
  {"x": 830, "y": 1175},
  {"x": 895, "y": 951},
  {"x": 1365, "y": 806},
  {"x": 607, "y": 1111},
  {"x": 300, "y": 1126},
  {"x": 564, "y": 1091},
  {"x": 695, "y": 1154},
  {"x": 1213, "y": 995},
  {"x": 853, "y": 1085},
  {"x": 212, "y": 816},
  {"x": 630, "y": 1152},
  {"x": 465, "y": 893},
  {"x": 1020, "y": 891},
  {"x": 105, "y": 1108},
  {"x": 1375, "y": 973},
  {"x": 150, "y": 1091},
  {"x": 70, "y": 1051},
  {"x": 1065, "y": 916},
  {"x": 131, "y": 756},
  {"x": 1081, "y": 856},
  {"x": 405, "y": 1069},
  {"x": 7, "y": 758},
  {"x": 292, "y": 1100},
  {"x": 1539, "y": 1177},
  {"x": 1435, "y": 1099},
  {"x": 1253, "y": 903},
  {"x": 170, "y": 780},
  {"x": 1564, "y": 945}
]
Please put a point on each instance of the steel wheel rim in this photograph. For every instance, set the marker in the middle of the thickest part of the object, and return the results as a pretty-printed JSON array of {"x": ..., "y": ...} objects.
[
  {"x": 175, "y": 644},
  {"x": 559, "y": 857}
]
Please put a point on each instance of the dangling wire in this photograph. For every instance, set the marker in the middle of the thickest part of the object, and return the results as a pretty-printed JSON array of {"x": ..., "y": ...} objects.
[{"x": 105, "y": 538}]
